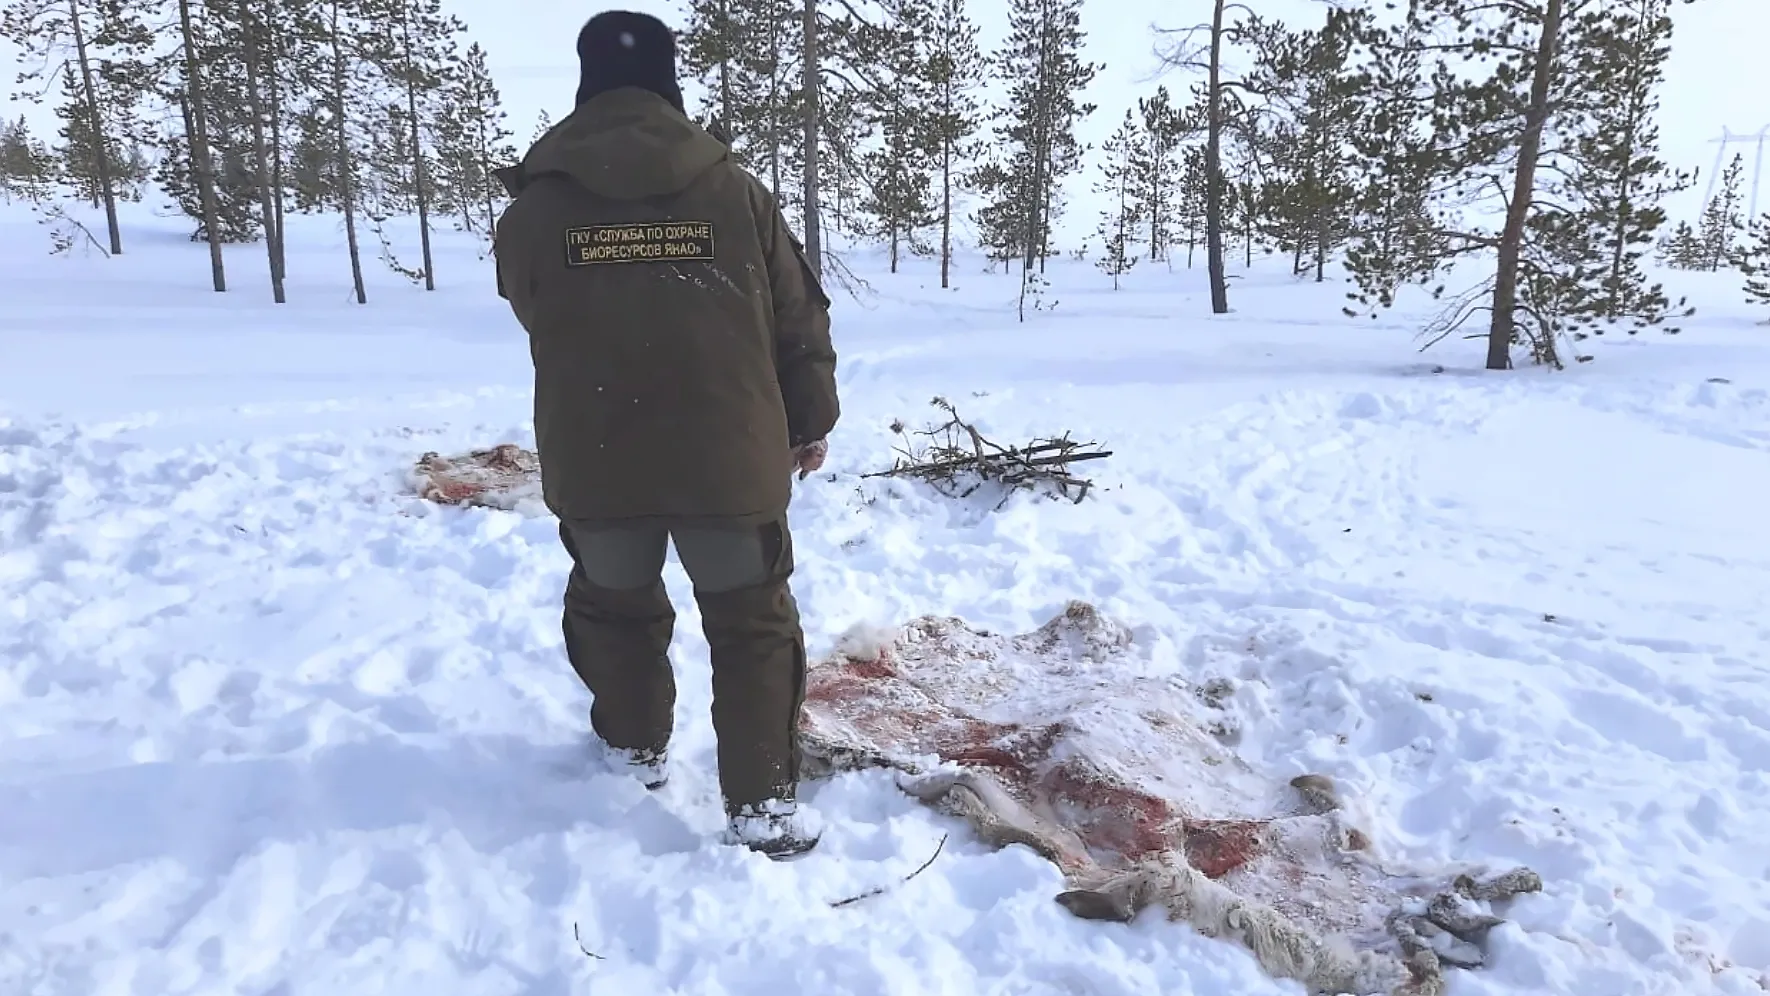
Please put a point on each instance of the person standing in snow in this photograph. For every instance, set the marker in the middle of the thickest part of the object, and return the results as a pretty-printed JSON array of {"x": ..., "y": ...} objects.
[{"x": 683, "y": 371}]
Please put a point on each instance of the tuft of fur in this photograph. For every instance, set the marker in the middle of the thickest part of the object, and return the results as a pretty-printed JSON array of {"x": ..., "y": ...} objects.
[{"x": 867, "y": 642}]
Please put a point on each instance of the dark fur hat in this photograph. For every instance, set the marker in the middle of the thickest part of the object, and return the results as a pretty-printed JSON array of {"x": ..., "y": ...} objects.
[{"x": 620, "y": 48}]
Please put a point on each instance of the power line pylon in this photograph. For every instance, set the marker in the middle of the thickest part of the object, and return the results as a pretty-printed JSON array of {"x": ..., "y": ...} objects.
[{"x": 1727, "y": 139}]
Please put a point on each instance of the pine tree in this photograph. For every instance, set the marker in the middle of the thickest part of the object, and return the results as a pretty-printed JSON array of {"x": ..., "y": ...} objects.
[
  {"x": 124, "y": 166},
  {"x": 846, "y": 134},
  {"x": 92, "y": 167},
  {"x": 279, "y": 50},
  {"x": 256, "y": 35},
  {"x": 1615, "y": 170},
  {"x": 747, "y": 54},
  {"x": 1190, "y": 202},
  {"x": 413, "y": 45},
  {"x": 209, "y": 166},
  {"x": 1511, "y": 90},
  {"x": 1395, "y": 169},
  {"x": 861, "y": 72},
  {"x": 543, "y": 125},
  {"x": 1000, "y": 221},
  {"x": 1722, "y": 219},
  {"x": 811, "y": 106},
  {"x": 228, "y": 210},
  {"x": 1311, "y": 87},
  {"x": 231, "y": 70},
  {"x": 1246, "y": 210},
  {"x": 1120, "y": 221},
  {"x": 472, "y": 139},
  {"x": 194, "y": 158},
  {"x": 900, "y": 197},
  {"x": 341, "y": 64},
  {"x": 27, "y": 167},
  {"x": 1682, "y": 249},
  {"x": 1185, "y": 51},
  {"x": 1037, "y": 147},
  {"x": 310, "y": 159},
  {"x": 1753, "y": 260},
  {"x": 955, "y": 74},
  {"x": 1156, "y": 167},
  {"x": 100, "y": 103}
]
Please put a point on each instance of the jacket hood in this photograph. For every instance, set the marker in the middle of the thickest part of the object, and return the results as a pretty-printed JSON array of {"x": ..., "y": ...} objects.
[{"x": 627, "y": 144}]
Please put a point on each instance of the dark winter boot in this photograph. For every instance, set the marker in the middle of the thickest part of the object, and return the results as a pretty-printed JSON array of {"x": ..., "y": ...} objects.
[
  {"x": 775, "y": 829},
  {"x": 651, "y": 767}
]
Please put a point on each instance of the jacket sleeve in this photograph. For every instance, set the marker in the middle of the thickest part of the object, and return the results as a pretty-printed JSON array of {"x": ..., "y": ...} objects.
[
  {"x": 804, "y": 359},
  {"x": 508, "y": 257}
]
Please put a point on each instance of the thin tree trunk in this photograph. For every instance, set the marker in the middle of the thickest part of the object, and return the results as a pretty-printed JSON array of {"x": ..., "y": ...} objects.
[
  {"x": 485, "y": 157},
  {"x": 774, "y": 106},
  {"x": 422, "y": 179},
  {"x": 346, "y": 185},
  {"x": 196, "y": 111},
  {"x": 1034, "y": 194},
  {"x": 1620, "y": 232},
  {"x": 1505, "y": 286},
  {"x": 1155, "y": 215},
  {"x": 107, "y": 183},
  {"x": 1045, "y": 224},
  {"x": 1118, "y": 266},
  {"x": 1213, "y": 169},
  {"x": 415, "y": 135},
  {"x": 1323, "y": 232},
  {"x": 1034, "y": 199},
  {"x": 1248, "y": 226},
  {"x": 260, "y": 147},
  {"x": 730, "y": 48},
  {"x": 1158, "y": 207},
  {"x": 272, "y": 75},
  {"x": 814, "y": 237},
  {"x": 946, "y": 212}
]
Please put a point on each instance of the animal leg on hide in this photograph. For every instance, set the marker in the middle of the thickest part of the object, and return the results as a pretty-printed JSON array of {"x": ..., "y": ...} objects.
[
  {"x": 1099, "y": 894},
  {"x": 1283, "y": 947},
  {"x": 820, "y": 759},
  {"x": 1425, "y": 970},
  {"x": 1319, "y": 792},
  {"x": 1505, "y": 885}
]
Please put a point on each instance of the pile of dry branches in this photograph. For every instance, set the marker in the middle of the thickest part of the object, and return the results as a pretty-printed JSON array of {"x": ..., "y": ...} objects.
[{"x": 957, "y": 460}]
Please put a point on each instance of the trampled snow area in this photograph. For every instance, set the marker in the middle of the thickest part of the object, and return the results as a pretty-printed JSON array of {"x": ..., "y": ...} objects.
[{"x": 267, "y": 726}]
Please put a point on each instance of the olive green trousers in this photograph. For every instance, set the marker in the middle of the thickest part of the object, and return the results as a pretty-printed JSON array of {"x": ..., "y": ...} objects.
[{"x": 618, "y": 623}]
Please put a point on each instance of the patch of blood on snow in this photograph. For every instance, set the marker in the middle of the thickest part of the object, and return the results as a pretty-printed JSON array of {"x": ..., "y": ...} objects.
[
  {"x": 1111, "y": 816},
  {"x": 453, "y": 491},
  {"x": 1218, "y": 847},
  {"x": 477, "y": 477},
  {"x": 922, "y": 695}
]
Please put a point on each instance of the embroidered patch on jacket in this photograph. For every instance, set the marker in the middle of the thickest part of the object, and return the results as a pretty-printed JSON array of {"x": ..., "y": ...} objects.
[{"x": 662, "y": 242}]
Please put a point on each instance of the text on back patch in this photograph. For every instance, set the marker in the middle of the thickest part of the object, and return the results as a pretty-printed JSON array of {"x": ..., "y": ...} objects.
[{"x": 647, "y": 242}]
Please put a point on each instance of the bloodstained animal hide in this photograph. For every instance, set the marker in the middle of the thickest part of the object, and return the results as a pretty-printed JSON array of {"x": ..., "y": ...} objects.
[
  {"x": 505, "y": 476},
  {"x": 1060, "y": 741}
]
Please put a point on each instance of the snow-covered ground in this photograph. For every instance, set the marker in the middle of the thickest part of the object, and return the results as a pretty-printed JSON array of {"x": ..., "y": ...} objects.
[{"x": 268, "y": 727}]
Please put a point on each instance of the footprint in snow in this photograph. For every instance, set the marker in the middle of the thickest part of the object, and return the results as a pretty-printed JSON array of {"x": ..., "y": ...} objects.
[{"x": 1626, "y": 720}]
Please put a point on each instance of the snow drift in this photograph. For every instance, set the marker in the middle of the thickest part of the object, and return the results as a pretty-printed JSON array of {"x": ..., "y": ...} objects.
[{"x": 1051, "y": 741}]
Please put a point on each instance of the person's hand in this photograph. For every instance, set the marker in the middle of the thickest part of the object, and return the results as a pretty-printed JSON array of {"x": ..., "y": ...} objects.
[{"x": 810, "y": 457}]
